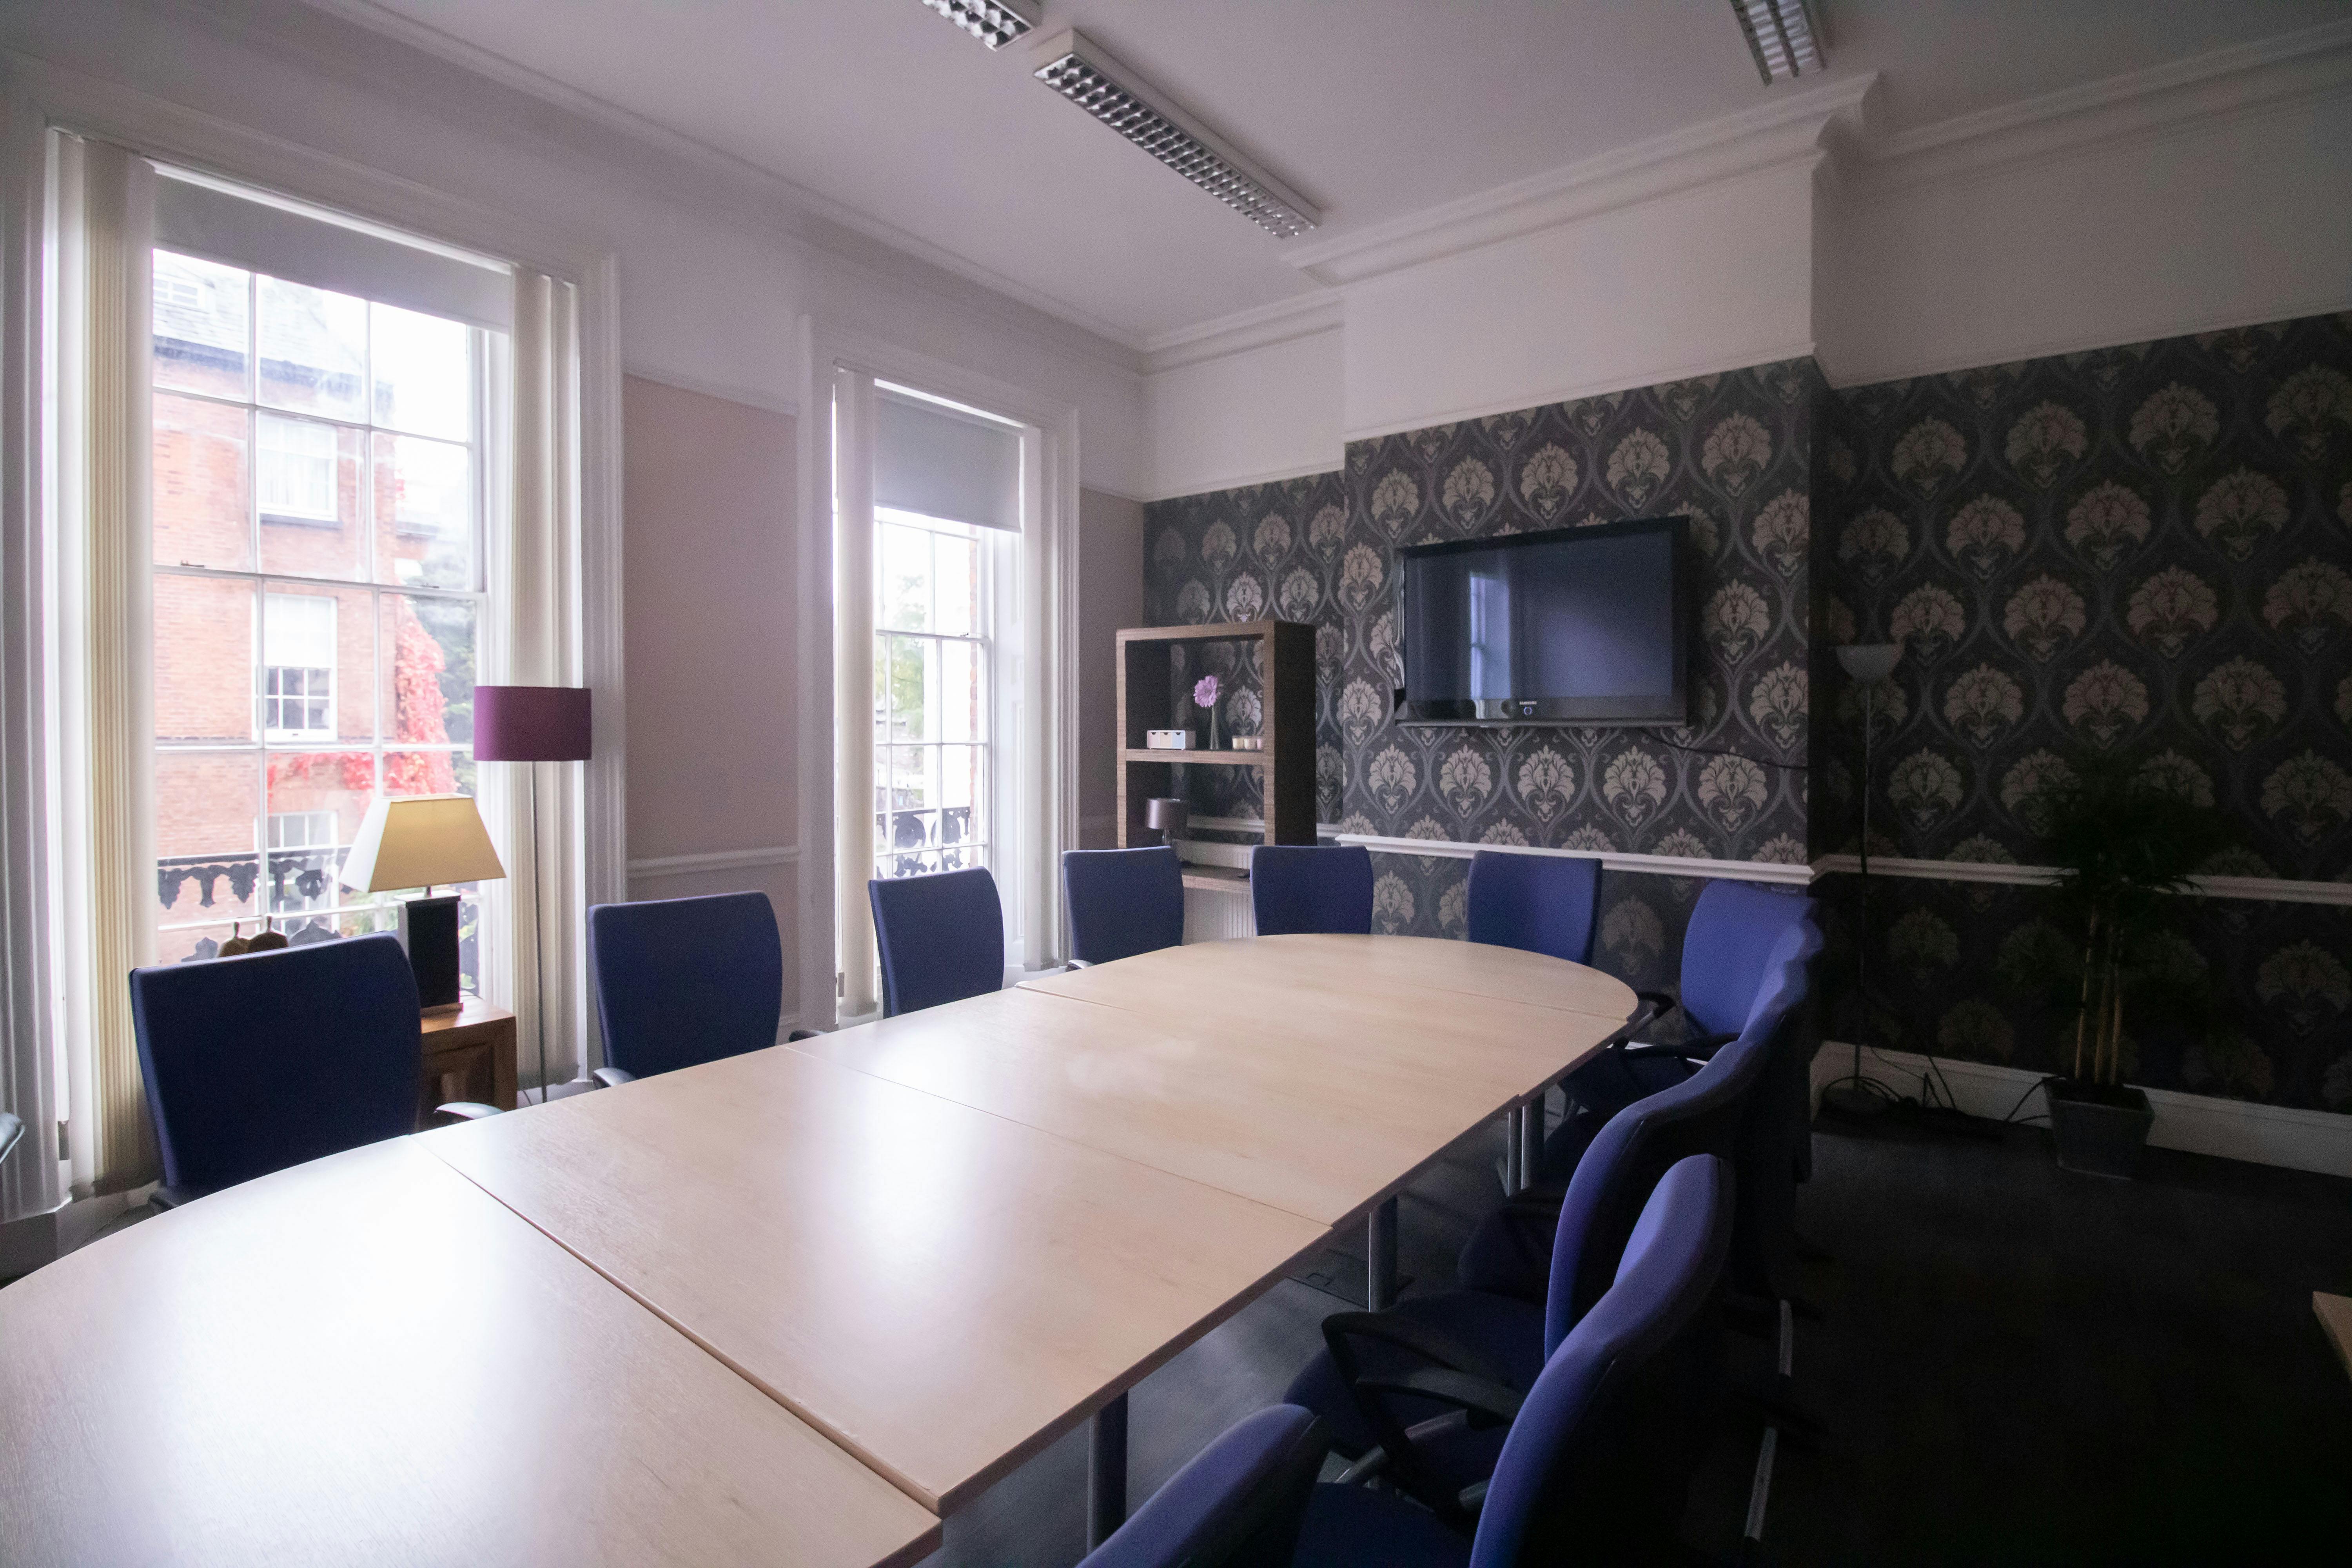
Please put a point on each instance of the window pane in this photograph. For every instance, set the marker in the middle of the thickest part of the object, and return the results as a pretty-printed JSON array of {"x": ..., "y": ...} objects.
[
  {"x": 428, "y": 671},
  {"x": 321, "y": 798},
  {"x": 956, "y": 575},
  {"x": 423, "y": 372},
  {"x": 903, "y": 686},
  {"x": 962, "y": 820},
  {"x": 425, "y": 513},
  {"x": 202, "y": 332},
  {"x": 317, "y": 665},
  {"x": 903, "y": 583},
  {"x": 962, "y": 717},
  {"x": 207, "y": 868},
  {"x": 307, "y": 475},
  {"x": 202, "y": 514},
  {"x": 428, "y": 772},
  {"x": 204, "y": 659},
  {"x": 313, "y": 350}
]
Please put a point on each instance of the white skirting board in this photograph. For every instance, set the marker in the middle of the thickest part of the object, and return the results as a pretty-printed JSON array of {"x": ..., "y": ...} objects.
[{"x": 2202, "y": 1124}]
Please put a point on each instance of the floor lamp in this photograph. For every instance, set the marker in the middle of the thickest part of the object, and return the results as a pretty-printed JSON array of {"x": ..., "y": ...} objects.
[
  {"x": 1866, "y": 664},
  {"x": 532, "y": 724}
]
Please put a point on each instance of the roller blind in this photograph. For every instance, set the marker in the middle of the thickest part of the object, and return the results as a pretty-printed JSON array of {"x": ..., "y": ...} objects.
[
  {"x": 201, "y": 219},
  {"x": 932, "y": 459}
]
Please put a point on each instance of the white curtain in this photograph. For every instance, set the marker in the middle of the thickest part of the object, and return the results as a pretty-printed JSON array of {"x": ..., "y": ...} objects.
[
  {"x": 536, "y": 640},
  {"x": 101, "y": 785}
]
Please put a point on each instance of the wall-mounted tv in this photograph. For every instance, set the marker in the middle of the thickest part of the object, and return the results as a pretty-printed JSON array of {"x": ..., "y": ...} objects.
[{"x": 1573, "y": 625}]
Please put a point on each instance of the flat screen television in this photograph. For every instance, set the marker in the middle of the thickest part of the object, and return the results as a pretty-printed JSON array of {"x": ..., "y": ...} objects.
[{"x": 1573, "y": 625}]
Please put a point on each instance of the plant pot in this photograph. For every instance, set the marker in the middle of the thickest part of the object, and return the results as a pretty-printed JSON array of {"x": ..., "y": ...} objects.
[{"x": 2100, "y": 1128}]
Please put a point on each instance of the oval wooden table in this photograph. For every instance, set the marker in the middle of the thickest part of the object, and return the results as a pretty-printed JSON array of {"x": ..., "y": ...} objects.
[{"x": 945, "y": 1239}]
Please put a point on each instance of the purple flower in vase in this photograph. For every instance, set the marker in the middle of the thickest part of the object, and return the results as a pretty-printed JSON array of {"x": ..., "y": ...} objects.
[{"x": 1205, "y": 691}]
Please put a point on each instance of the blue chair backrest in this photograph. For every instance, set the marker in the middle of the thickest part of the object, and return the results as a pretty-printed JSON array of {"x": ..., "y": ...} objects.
[
  {"x": 682, "y": 981},
  {"x": 1597, "y": 1466},
  {"x": 1122, "y": 902},
  {"x": 1238, "y": 1503},
  {"x": 1544, "y": 903},
  {"x": 1298, "y": 888},
  {"x": 1704, "y": 1114},
  {"x": 940, "y": 937},
  {"x": 263, "y": 1061},
  {"x": 1728, "y": 947}
]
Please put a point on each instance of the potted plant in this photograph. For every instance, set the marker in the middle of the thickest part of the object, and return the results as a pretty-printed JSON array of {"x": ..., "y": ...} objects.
[{"x": 2124, "y": 848}]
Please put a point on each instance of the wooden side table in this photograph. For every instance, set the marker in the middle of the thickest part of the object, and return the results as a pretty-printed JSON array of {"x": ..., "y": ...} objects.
[{"x": 470, "y": 1054}]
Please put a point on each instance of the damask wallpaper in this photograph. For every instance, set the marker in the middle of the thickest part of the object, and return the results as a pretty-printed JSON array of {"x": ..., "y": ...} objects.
[
  {"x": 2145, "y": 550},
  {"x": 1732, "y": 452}
]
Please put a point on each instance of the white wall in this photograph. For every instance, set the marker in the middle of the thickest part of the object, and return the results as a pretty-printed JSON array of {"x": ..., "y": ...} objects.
[
  {"x": 2183, "y": 201},
  {"x": 1269, "y": 412},
  {"x": 2215, "y": 223},
  {"x": 1110, "y": 598}
]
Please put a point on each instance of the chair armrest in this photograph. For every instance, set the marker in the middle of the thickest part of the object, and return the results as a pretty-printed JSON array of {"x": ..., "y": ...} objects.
[
  {"x": 614, "y": 1078},
  {"x": 173, "y": 1197},
  {"x": 1079, "y": 963},
  {"x": 1498, "y": 1402},
  {"x": 466, "y": 1110},
  {"x": 800, "y": 1035},
  {"x": 1697, "y": 1049}
]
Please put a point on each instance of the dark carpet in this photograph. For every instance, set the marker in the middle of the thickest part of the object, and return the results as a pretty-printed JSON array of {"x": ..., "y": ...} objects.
[{"x": 2018, "y": 1365}]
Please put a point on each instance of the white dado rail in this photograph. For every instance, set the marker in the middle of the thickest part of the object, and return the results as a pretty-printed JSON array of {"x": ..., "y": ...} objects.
[
  {"x": 2274, "y": 890},
  {"x": 714, "y": 860}
]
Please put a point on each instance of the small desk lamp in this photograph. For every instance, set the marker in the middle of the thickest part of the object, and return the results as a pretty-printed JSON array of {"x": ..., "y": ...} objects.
[
  {"x": 532, "y": 724},
  {"x": 1169, "y": 815},
  {"x": 416, "y": 841},
  {"x": 1866, "y": 664}
]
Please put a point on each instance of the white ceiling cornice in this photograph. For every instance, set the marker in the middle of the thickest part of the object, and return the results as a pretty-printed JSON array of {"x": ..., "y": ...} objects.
[
  {"x": 1260, "y": 327},
  {"x": 1805, "y": 124},
  {"x": 788, "y": 201},
  {"x": 2204, "y": 89}
]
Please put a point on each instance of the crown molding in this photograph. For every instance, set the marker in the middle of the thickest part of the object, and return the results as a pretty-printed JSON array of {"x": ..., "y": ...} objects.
[
  {"x": 1806, "y": 125},
  {"x": 2224, "y": 84},
  {"x": 817, "y": 221},
  {"x": 1262, "y": 326}
]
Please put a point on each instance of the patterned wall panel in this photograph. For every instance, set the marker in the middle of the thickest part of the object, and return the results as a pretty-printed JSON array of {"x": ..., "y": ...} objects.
[
  {"x": 2145, "y": 550},
  {"x": 1733, "y": 452}
]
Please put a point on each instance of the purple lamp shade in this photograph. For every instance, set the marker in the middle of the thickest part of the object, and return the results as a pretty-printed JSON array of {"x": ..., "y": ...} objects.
[{"x": 530, "y": 724}]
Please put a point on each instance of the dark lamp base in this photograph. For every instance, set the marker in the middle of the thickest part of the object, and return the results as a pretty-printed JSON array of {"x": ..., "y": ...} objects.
[{"x": 429, "y": 930}]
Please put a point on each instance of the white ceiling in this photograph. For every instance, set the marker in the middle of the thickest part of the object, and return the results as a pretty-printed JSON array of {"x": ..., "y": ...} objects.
[{"x": 1372, "y": 108}]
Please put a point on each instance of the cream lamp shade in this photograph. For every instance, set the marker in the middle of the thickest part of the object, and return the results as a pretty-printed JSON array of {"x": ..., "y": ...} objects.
[{"x": 415, "y": 841}]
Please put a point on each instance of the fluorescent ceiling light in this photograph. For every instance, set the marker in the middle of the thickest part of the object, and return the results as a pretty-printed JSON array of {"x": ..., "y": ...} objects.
[
  {"x": 1782, "y": 36},
  {"x": 1080, "y": 70},
  {"x": 995, "y": 22}
]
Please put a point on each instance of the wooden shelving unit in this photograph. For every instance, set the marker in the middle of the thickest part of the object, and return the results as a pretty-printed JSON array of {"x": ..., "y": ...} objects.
[{"x": 1146, "y": 701}]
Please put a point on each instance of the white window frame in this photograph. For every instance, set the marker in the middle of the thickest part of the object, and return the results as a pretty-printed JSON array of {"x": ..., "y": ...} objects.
[
  {"x": 1039, "y": 704},
  {"x": 44, "y": 1012}
]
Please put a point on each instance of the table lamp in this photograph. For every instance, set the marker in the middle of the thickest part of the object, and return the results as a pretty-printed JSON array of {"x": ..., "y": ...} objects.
[
  {"x": 532, "y": 724},
  {"x": 1169, "y": 815},
  {"x": 417, "y": 841}
]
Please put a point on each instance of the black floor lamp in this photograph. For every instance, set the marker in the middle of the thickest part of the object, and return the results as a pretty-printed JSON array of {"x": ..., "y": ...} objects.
[
  {"x": 532, "y": 724},
  {"x": 1866, "y": 664}
]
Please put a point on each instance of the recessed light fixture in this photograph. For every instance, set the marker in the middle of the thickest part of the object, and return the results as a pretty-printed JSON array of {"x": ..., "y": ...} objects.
[
  {"x": 1782, "y": 36},
  {"x": 1081, "y": 71},
  {"x": 995, "y": 22}
]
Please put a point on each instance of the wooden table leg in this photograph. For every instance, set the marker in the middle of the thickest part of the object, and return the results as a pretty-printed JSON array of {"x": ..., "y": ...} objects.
[
  {"x": 1380, "y": 1259},
  {"x": 1107, "y": 1472}
]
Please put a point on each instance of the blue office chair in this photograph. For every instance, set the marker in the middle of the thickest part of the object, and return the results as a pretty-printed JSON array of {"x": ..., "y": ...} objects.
[
  {"x": 942, "y": 938},
  {"x": 1508, "y": 1338},
  {"x": 266, "y": 1060},
  {"x": 1597, "y": 1467},
  {"x": 1543, "y": 903},
  {"x": 1307, "y": 889},
  {"x": 1598, "y": 1464},
  {"x": 685, "y": 981},
  {"x": 1122, "y": 902},
  {"x": 1237, "y": 1504},
  {"x": 1726, "y": 949}
]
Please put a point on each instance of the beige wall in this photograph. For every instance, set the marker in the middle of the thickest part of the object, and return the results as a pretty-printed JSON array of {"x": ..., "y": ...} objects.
[
  {"x": 1110, "y": 595},
  {"x": 709, "y": 564}
]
